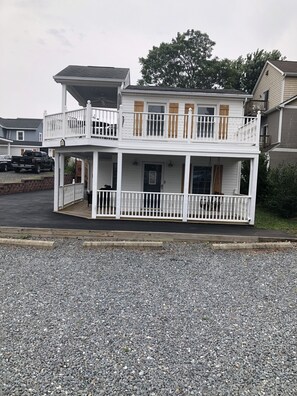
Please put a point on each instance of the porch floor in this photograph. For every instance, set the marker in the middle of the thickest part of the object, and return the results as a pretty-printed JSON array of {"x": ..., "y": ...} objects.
[{"x": 79, "y": 209}]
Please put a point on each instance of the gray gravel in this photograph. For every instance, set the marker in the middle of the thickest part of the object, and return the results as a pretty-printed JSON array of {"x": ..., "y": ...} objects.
[{"x": 182, "y": 320}]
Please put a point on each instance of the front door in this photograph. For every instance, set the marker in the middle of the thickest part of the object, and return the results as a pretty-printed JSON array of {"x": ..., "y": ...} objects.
[{"x": 152, "y": 184}]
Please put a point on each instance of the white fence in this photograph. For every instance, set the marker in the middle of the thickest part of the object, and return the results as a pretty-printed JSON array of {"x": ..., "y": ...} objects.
[
  {"x": 225, "y": 208},
  {"x": 70, "y": 193}
]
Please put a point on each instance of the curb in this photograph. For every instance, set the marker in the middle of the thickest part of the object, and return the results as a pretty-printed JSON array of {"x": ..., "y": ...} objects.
[
  {"x": 27, "y": 242},
  {"x": 122, "y": 244},
  {"x": 136, "y": 235},
  {"x": 255, "y": 245}
]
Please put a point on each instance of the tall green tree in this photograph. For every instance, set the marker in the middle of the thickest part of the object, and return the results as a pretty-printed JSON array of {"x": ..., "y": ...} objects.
[
  {"x": 252, "y": 66},
  {"x": 185, "y": 62}
]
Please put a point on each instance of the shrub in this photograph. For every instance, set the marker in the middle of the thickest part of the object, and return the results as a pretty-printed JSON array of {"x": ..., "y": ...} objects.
[{"x": 282, "y": 197}]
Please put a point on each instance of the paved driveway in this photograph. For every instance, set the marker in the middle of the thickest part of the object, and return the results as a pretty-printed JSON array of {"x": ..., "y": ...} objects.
[{"x": 36, "y": 210}]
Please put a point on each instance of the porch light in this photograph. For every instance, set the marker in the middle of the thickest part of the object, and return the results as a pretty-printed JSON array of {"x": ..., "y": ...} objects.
[
  {"x": 135, "y": 162},
  {"x": 170, "y": 164}
]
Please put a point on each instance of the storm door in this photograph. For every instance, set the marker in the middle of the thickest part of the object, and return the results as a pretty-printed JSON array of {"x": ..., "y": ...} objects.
[{"x": 152, "y": 184}]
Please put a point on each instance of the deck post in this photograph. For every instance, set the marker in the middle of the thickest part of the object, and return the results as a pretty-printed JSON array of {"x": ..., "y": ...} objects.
[
  {"x": 88, "y": 119},
  {"x": 254, "y": 162},
  {"x": 56, "y": 181},
  {"x": 186, "y": 187},
  {"x": 119, "y": 185},
  {"x": 82, "y": 178},
  {"x": 120, "y": 122},
  {"x": 95, "y": 184}
]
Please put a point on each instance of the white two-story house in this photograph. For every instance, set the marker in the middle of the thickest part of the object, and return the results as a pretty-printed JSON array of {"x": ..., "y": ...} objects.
[{"x": 153, "y": 152}]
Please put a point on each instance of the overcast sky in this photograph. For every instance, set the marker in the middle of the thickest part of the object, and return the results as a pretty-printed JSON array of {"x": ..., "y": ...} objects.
[{"x": 39, "y": 38}]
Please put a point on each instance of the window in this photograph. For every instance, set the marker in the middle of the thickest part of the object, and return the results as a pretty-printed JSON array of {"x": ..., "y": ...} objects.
[
  {"x": 201, "y": 180},
  {"x": 40, "y": 136},
  {"x": 20, "y": 135},
  {"x": 155, "y": 120},
  {"x": 205, "y": 124}
]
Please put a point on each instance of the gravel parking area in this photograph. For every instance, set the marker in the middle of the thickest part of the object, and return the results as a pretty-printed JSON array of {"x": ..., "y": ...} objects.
[
  {"x": 180, "y": 320},
  {"x": 13, "y": 177}
]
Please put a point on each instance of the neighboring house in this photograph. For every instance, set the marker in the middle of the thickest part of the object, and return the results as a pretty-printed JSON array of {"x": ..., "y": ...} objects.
[
  {"x": 275, "y": 94},
  {"x": 20, "y": 134},
  {"x": 153, "y": 152}
]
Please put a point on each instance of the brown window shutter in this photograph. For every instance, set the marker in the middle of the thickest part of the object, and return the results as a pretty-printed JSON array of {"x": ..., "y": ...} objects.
[
  {"x": 223, "y": 128},
  {"x": 186, "y": 120},
  {"x": 138, "y": 108},
  {"x": 173, "y": 120},
  {"x": 217, "y": 179}
]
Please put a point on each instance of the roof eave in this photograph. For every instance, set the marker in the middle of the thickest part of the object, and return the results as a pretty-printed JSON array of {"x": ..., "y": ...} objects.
[
  {"x": 187, "y": 93},
  {"x": 75, "y": 80}
]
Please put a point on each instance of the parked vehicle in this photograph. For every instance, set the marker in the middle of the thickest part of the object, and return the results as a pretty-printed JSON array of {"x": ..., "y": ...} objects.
[
  {"x": 36, "y": 161},
  {"x": 5, "y": 163}
]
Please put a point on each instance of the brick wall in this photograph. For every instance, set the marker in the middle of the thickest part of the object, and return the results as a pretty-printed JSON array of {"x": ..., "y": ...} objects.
[{"x": 46, "y": 183}]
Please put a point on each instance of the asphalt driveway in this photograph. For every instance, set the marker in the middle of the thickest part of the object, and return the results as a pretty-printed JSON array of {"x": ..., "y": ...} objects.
[{"x": 35, "y": 209}]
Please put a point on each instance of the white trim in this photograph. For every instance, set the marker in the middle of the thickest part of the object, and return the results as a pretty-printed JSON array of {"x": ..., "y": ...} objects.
[
  {"x": 280, "y": 122},
  {"x": 95, "y": 183},
  {"x": 186, "y": 94},
  {"x": 17, "y": 135}
]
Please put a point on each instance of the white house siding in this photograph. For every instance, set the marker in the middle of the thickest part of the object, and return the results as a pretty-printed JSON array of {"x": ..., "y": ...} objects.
[
  {"x": 272, "y": 82},
  {"x": 290, "y": 87},
  {"x": 171, "y": 176}
]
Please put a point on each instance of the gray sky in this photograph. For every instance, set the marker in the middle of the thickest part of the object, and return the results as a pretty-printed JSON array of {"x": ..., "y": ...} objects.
[{"x": 38, "y": 38}]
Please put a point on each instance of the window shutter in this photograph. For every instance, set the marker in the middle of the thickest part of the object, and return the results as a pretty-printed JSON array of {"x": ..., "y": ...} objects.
[
  {"x": 217, "y": 179},
  {"x": 138, "y": 108},
  {"x": 223, "y": 128},
  {"x": 186, "y": 120},
  {"x": 173, "y": 120}
]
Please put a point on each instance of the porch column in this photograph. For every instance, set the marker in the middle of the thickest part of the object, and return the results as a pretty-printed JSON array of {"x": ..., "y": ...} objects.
[
  {"x": 8, "y": 149},
  {"x": 254, "y": 162},
  {"x": 64, "y": 97},
  {"x": 82, "y": 175},
  {"x": 61, "y": 165},
  {"x": 186, "y": 187},
  {"x": 56, "y": 181},
  {"x": 95, "y": 183},
  {"x": 119, "y": 185},
  {"x": 89, "y": 183}
]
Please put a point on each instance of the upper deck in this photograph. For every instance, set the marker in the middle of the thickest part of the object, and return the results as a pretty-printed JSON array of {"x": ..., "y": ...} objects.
[{"x": 118, "y": 128}]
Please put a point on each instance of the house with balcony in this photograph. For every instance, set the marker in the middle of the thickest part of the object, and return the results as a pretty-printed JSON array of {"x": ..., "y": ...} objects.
[
  {"x": 20, "y": 134},
  {"x": 151, "y": 152},
  {"x": 275, "y": 95}
]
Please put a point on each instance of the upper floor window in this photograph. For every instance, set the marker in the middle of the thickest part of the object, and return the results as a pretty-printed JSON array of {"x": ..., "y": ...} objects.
[
  {"x": 205, "y": 118},
  {"x": 20, "y": 135},
  {"x": 155, "y": 120}
]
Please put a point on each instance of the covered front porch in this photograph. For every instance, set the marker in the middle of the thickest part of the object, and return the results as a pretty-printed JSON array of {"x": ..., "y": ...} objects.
[{"x": 151, "y": 187}]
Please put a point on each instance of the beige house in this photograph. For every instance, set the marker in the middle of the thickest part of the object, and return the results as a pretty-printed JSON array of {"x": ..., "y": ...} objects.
[{"x": 275, "y": 95}]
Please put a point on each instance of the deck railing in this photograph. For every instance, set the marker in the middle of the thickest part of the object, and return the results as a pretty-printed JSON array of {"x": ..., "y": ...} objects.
[
  {"x": 112, "y": 124},
  {"x": 166, "y": 206},
  {"x": 70, "y": 193}
]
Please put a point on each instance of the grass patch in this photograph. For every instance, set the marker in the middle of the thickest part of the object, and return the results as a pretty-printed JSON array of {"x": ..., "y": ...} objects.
[{"x": 267, "y": 220}]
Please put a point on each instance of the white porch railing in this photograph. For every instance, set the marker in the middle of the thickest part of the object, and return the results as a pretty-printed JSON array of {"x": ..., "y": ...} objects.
[
  {"x": 70, "y": 193},
  {"x": 134, "y": 204},
  {"x": 151, "y": 205},
  {"x": 112, "y": 124},
  {"x": 229, "y": 208}
]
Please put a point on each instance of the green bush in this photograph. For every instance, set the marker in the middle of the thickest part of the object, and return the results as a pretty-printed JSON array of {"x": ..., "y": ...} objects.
[{"x": 282, "y": 193}]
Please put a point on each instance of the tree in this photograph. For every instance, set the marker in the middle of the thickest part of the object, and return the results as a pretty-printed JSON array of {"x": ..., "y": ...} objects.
[
  {"x": 185, "y": 62},
  {"x": 252, "y": 66}
]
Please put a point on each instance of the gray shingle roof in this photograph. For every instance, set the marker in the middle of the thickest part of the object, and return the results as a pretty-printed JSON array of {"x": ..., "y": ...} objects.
[
  {"x": 285, "y": 66},
  {"x": 176, "y": 89},
  {"x": 114, "y": 73},
  {"x": 20, "y": 123}
]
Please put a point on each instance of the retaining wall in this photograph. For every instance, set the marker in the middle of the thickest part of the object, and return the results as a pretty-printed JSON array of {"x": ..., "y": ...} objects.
[{"x": 29, "y": 185}]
